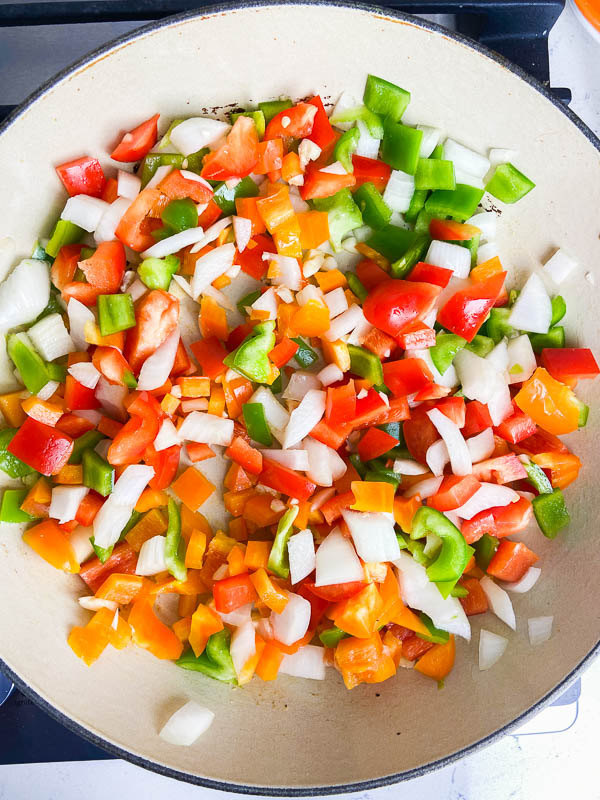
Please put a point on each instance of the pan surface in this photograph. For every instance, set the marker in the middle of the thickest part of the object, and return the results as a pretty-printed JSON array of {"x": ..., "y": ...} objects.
[{"x": 298, "y": 737}]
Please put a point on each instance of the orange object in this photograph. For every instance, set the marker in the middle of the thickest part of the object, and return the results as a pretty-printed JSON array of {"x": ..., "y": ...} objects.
[
  {"x": 250, "y": 666},
  {"x": 191, "y": 521},
  {"x": 257, "y": 555},
  {"x": 283, "y": 351},
  {"x": 314, "y": 229},
  {"x": 287, "y": 238},
  {"x": 244, "y": 454},
  {"x": 311, "y": 319},
  {"x": 330, "y": 280},
  {"x": 405, "y": 509},
  {"x": 488, "y": 269},
  {"x": 194, "y": 555},
  {"x": 109, "y": 427},
  {"x": 89, "y": 643},
  {"x": 235, "y": 559},
  {"x": 437, "y": 662},
  {"x": 408, "y": 619},
  {"x": 270, "y": 156},
  {"x": 549, "y": 403},
  {"x": 373, "y": 496},
  {"x": 590, "y": 9},
  {"x": 276, "y": 208},
  {"x": 476, "y": 601},
  {"x": 199, "y": 452},
  {"x": 38, "y": 498},
  {"x": 363, "y": 660},
  {"x": 49, "y": 542},
  {"x": 11, "y": 409},
  {"x": 205, "y": 622},
  {"x": 269, "y": 593},
  {"x": 237, "y": 392},
  {"x": 511, "y": 561},
  {"x": 182, "y": 628},
  {"x": 258, "y": 509},
  {"x": 246, "y": 207},
  {"x": 238, "y": 529},
  {"x": 269, "y": 663},
  {"x": 195, "y": 386},
  {"x": 564, "y": 467},
  {"x": 169, "y": 404},
  {"x": 216, "y": 555},
  {"x": 151, "y": 524},
  {"x": 120, "y": 588},
  {"x": 236, "y": 479},
  {"x": 42, "y": 410},
  {"x": 358, "y": 615},
  {"x": 216, "y": 404},
  {"x": 151, "y": 498},
  {"x": 187, "y": 604},
  {"x": 213, "y": 320},
  {"x": 193, "y": 488},
  {"x": 150, "y": 633},
  {"x": 70, "y": 474},
  {"x": 290, "y": 167},
  {"x": 235, "y": 502}
]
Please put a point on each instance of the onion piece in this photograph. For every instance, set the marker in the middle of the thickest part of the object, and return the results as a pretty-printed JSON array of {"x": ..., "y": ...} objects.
[
  {"x": 292, "y": 459},
  {"x": 187, "y": 724},
  {"x": 336, "y": 301},
  {"x": 85, "y": 373},
  {"x": 196, "y": 133},
  {"x": 300, "y": 383},
  {"x": 498, "y": 357},
  {"x": 345, "y": 323},
  {"x": 243, "y": 647},
  {"x": 200, "y": 426},
  {"x": 481, "y": 446},
  {"x": 478, "y": 377},
  {"x": 466, "y": 159},
  {"x": 151, "y": 558},
  {"x": 157, "y": 367},
  {"x": 242, "y": 229},
  {"x": 160, "y": 174},
  {"x": 486, "y": 221},
  {"x": 210, "y": 234},
  {"x": 405, "y": 466},
  {"x": 489, "y": 495},
  {"x": 425, "y": 488},
  {"x": 304, "y": 418},
  {"x": 292, "y": 624},
  {"x": 336, "y": 561},
  {"x": 65, "y": 502},
  {"x": 449, "y": 256},
  {"x": 521, "y": 359},
  {"x": 500, "y": 403},
  {"x": 288, "y": 269},
  {"x": 399, "y": 191},
  {"x": 277, "y": 416},
  {"x": 330, "y": 374},
  {"x": 319, "y": 466},
  {"x": 491, "y": 648},
  {"x": 267, "y": 302},
  {"x": 112, "y": 397},
  {"x": 238, "y": 616},
  {"x": 500, "y": 155},
  {"x": 79, "y": 317},
  {"x": 429, "y": 141},
  {"x": 499, "y": 601},
  {"x": 84, "y": 211},
  {"x": 96, "y": 603},
  {"x": 460, "y": 458},
  {"x": 172, "y": 244},
  {"x": 128, "y": 185},
  {"x": 306, "y": 662},
  {"x": 80, "y": 542},
  {"x": 373, "y": 535},
  {"x": 540, "y": 629},
  {"x": 437, "y": 457},
  {"x": 368, "y": 146},
  {"x": 116, "y": 510},
  {"x": 167, "y": 436},
  {"x": 211, "y": 266},
  {"x": 532, "y": 310},
  {"x": 527, "y": 582},
  {"x": 51, "y": 338},
  {"x": 24, "y": 294},
  {"x": 559, "y": 267},
  {"x": 486, "y": 252},
  {"x": 301, "y": 554}
]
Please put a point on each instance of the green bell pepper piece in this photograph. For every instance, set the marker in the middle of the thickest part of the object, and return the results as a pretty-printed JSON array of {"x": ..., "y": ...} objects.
[
  {"x": 180, "y": 214},
  {"x": 31, "y": 367},
  {"x": 365, "y": 364},
  {"x": 157, "y": 273},
  {"x": 345, "y": 147},
  {"x": 434, "y": 635},
  {"x": 247, "y": 301},
  {"x": 115, "y": 313},
  {"x": 485, "y": 549},
  {"x": 304, "y": 355},
  {"x": 375, "y": 212},
  {"x": 393, "y": 429},
  {"x": 551, "y": 513},
  {"x": 215, "y": 661},
  {"x": 225, "y": 198},
  {"x": 251, "y": 358},
  {"x": 391, "y": 241},
  {"x": 446, "y": 347},
  {"x": 257, "y": 117},
  {"x": 10, "y": 508},
  {"x": 473, "y": 246},
  {"x": 417, "y": 203},
  {"x": 256, "y": 423},
  {"x": 98, "y": 474},
  {"x": 508, "y": 184},
  {"x": 87, "y": 441},
  {"x": 459, "y": 203},
  {"x": 278, "y": 562},
  {"x": 152, "y": 161},
  {"x": 481, "y": 345},
  {"x": 356, "y": 286},
  {"x": 423, "y": 220},
  {"x": 538, "y": 478},
  {"x": 459, "y": 591},
  {"x": 343, "y": 215},
  {"x": 438, "y": 151},
  {"x": 455, "y": 553},
  {"x": 331, "y": 637},
  {"x": 39, "y": 253},
  {"x": 175, "y": 544},
  {"x": 497, "y": 325},
  {"x": 584, "y": 412},
  {"x": 57, "y": 372},
  {"x": 400, "y": 146},
  {"x": 416, "y": 549},
  {"x": 364, "y": 114},
  {"x": 104, "y": 553},
  {"x": 64, "y": 232},
  {"x": 434, "y": 173},
  {"x": 270, "y": 108},
  {"x": 385, "y": 98},
  {"x": 384, "y": 475},
  {"x": 53, "y": 307},
  {"x": 358, "y": 465},
  {"x": 559, "y": 309},
  {"x": 415, "y": 252},
  {"x": 554, "y": 338}
]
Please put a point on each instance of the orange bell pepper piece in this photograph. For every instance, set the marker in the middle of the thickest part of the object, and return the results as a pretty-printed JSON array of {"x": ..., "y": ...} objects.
[
  {"x": 193, "y": 520},
  {"x": 187, "y": 604},
  {"x": 192, "y": 488},
  {"x": 151, "y": 498},
  {"x": 205, "y": 622},
  {"x": 182, "y": 628},
  {"x": 238, "y": 529},
  {"x": 330, "y": 280},
  {"x": 235, "y": 559},
  {"x": 88, "y": 643},
  {"x": 287, "y": 238},
  {"x": 269, "y": 663},
  {"x": 70, "y": 474},
  {"x": 246, "y": 207},
  {"x": 311, "y": 319},
  {"x": 372, "y": 496},
  {"x": 550, "y": 403},
  {"x": 276, "y": 208},
  {"x": 269, "y": 593},
  {"x": 42, "y": 410},
  {"x": 564, "y": 467},
  {"x": 52, "y": 545},
  {"x": 358, "y": 615},
  {"x": 405, "y": 509},
  {"x": 216, "y": 403},
  {"x": 10, "y": 406},
  {"x": 150, "y": 633},
  {"x": 213, "y": 319},
  {"x": 120, "y": 588},
  {"x": 194, "y": 554},
  {"x": 437, "y": 662},
  {"x": 363, "y": 660},
  {"x": 258, "y": 510},
  {"x": 151, "y": 524},
  {"x": 314, "y": 228},
  {"x": 249, "y": 667},
  {"x": 38, "y": 498},
  {"x": 257, "y": 555}
]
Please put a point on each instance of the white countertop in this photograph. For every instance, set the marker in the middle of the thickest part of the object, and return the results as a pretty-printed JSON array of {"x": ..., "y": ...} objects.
[{"x": 530, "y": 766}]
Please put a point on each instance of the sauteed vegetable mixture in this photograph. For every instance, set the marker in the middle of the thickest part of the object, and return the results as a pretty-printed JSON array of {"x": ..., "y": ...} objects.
[{"x": 317, "y": 302}]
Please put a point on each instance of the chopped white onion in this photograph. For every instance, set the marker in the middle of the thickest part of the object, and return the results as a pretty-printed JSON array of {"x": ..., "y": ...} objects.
[
  {"x": 116, "y": 509},
  {"x": 406, "y": 466},
  {"x": 399, "y": 191},
  {"x": 460, "y": 458},
  {"x": 267, "y": 302},
  {"x": 157, "y": 367},
  {"x": 109, "y": 221},
  {"x": 330, "y": 374},
  {"x": 373, "y": 535},
  {"x": 500, "y": 403},
  {"x": 128, "y": 185},
  {"x": 79, "y": 317},
  {"x": 336, "y": 561},
  {"x": 368, "y": 146},
  {"x": 85, "y": 373},
  {"x": 461, "y": 176},
  {"x": 238, "y": 616},
  {"x": 112, "y": 398},
  {"x": 243, "y": 646},
  {"x": 478, "y": 377},
  {"x": 489, "y": 495},
  {"x": 292, "y": 459},
  {"x": 486, "y": 221},
  {"x": 151, "y": 558},
  {"x": 304, "y": 418},
  {"x": 540, "y": 629},
  {"x": 486, "y": 251},
  {"x": 449, "y": 256},
  {"x": 47, "y": 390},
  {"x": 300, "y": 383},
  {"x": 212, "y": 233},
  {"x": 337, "y": 302},
  {"x": 481, "y": 446},
  {"x": 524, "y": 584},
  {"x": 429, "y": 140},
  {"x": 346, "y": 102},
  {"x": 500, "y": 155},
  {"x": 24, "y": 294},
  {"x": 419, "y": 592},
  {"x": 84, "y": 211},
  {"x": 51, "y": 338},
  {"x": 172, "y": 244},
  {"x": 65, "y": 502},
  {"x": 200, "y": 426},
  {"x": 211, "y": 266},
  {"x": 288, "y": 271},
  {"x": 80, "y": 542},
  {"x": 242, "y": 228},
  {"x": 319, "y": 466},
  {"x": 499, "y": 601},
  {"x": 559, "y": 267},
  {"x": 437, "y": 457},
  {"x": 306, "y": 662},
  {"x": 160, "y": 174},
  {"x": 521, "y": 359},
  {"x": 96, "y": 603},
  {"x": 187, "y": 724},
  {"x": 196, "y": 133},
  {"x": 302, "y": 557},
  {"x": 425, "y": 488},
  {"x": 532, "y": 310},
  {"x": 466, "y": 159},
  {"x": 276, "y": 415},
  {"x": 491, "y": 648},
  {"x": 167, "y": 436},
  {"x": 498, "y": 357},
  {"x": 345, "y": 323},
  {"x": 293, "y": 622}
]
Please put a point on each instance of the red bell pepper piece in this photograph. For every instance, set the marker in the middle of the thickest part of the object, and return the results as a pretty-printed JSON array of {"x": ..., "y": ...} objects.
[
  {"x": 476, "y": 601},
  {"x": 123, "y": 561},
  {"x": 416, "y": 336},
  {"x": 332, "y": 508},
  {"x": 432, "y": 391},
  {"x": 453, "y": 408},
  {"x": 395, "y": 303},
  {"x": 503, "y": 469},
  {"x": 465, "y": 311},
  {"x": 429, "y": 273},
  {"x": 336, "y": 591},
  {"x": 251, "y": 259},
  {"x": 282, "y": 352},
  {"x": 499, "y": 521},
  {"x": 375, "y": 443},
  {"x": 341, "y": 403},
  {"x": 156, "y": 316},
  {"x": 105, "y": 268},
  {"x": 138, "y": 142},
  {"x": 477, "y": 419},
  {"x": 140, "y": 431},
  {"x": 370, "y": 170},
  {"x": 333, "y": 436},
  {"x": 454, "y": 491},
  {"x": 447, "y": 229},
  {"x": 542, "y": 442},
  {"x": 322, "y": 133},
  {"x": 570, "y": 363},
  {"x": 88, "y": 508},
  {"x": 65, "y": 264},
  {"x": 293, "y": 123},
  {"x": 176, "y": 187},
  {"x": 406, "y": 376},
  {"x": 83, "y": 176},
  {"x": 210, "y": 354},
  {"x": 165, "y": 463},
  {"x": 511, "y": 561},
  {"x": 245, "y": 455},
  {"x": 182, "y": 364},
  {"x": 237, "y": 157},
  {"x": 78, "y": 396},
  {"x": 379, "y": 343},
  {"x": 370, "y": 274},
  {"x": 324, "y": 184},
  {"x": 74, "y": 426},
  {"x": 234, "y": 592},
  {"x": 110, "y": 362},
  {"x": 374, "y": 413},
  {"x": 41, "y": 447},
  {"x": 286, "y": 481},
  {"x": 111, "y": 190},
  {"x": 517, "y": 427}
]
